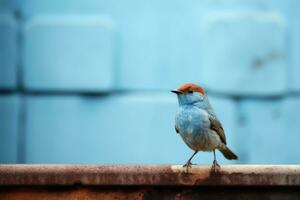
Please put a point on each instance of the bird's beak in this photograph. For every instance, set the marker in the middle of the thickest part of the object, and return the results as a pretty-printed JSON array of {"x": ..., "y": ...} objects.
[{"x": 176, "y": 91}]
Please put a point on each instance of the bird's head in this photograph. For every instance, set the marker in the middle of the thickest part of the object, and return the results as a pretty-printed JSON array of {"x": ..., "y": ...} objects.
[{"x": 190, "y": 93}]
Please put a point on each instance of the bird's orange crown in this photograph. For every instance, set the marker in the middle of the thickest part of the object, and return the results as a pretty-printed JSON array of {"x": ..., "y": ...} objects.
[{"x": 191, "y": 86}]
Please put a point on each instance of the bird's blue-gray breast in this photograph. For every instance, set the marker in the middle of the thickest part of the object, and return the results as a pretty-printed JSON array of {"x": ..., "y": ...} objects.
[{"x": 193, "y": 123}]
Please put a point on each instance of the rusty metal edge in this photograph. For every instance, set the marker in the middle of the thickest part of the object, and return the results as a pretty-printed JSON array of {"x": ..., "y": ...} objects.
[{"x": 151, "y": 175}]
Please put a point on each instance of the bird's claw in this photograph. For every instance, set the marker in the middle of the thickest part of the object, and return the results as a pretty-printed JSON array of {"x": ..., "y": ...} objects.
[
  {"x": 215, "y": 166},
  {"x": 187, "y": 166}
]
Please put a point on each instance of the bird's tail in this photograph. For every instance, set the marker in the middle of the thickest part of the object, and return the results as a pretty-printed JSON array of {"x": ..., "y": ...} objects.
[{"x": 228, "y": 153}]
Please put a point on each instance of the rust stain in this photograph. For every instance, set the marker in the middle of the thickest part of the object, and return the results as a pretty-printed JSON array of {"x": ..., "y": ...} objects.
[{"x": 146, "y": 193}]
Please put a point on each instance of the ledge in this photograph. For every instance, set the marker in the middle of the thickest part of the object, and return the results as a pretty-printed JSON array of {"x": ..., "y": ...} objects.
[{"x": 149, "y": 175}]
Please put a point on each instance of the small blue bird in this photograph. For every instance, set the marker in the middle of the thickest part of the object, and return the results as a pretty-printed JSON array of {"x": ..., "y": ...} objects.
[{"x": 198, "y": 125}]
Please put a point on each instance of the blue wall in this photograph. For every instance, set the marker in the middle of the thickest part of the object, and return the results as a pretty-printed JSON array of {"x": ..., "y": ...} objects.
[{"x": 89, "y": 81}]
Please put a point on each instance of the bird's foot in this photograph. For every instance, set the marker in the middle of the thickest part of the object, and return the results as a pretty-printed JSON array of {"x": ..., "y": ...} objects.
[
  {"x": 215, "y": 166},
  {"x": 187, "y": 166}
]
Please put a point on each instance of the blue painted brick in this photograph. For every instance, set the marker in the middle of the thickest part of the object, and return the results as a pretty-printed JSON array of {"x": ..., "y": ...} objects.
[
  {"x": 245, "y": 53},
  {"x": 36, "y": 7},
  {"x": 290, "y": 139},
  {"x": 262, "y": 130},
  {"x": 158, "y": 48},
  {"x": 133, "y": 128},
  {"x": 160, "y": 42},
  {"x": 294, "y": 44},
  {"x": 161, "y": 47},
  {"x": 8, "y": 52},
  {"x": 70, "y": 53},
  {"x": 114, "y": 129},
  {"x": 8, "y": 5},
  {"x": 9, "y": 124},
  {"x": 271, "y": 131}
]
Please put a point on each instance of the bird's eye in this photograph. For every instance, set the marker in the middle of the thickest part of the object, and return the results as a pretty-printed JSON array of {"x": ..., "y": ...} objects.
[{"x": 190, "y": 91}]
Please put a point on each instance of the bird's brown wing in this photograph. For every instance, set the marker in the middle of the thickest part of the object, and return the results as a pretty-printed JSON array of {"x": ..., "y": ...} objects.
[{"x": 217, "y": 126}]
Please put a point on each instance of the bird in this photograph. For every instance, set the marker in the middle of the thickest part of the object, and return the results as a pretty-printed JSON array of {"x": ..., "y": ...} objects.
[{"x": 198, "y": 125}]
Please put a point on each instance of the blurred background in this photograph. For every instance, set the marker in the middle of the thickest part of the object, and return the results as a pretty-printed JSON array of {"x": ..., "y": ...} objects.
[{"x": 88, "y": 81}]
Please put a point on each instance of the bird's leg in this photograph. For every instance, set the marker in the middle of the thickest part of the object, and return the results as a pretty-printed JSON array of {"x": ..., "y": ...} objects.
[
  {"x": 188, "y": 164},
  {"x": 215, "y": 163}
]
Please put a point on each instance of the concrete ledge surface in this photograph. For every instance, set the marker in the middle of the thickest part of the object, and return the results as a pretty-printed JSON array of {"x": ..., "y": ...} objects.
[{"x": 152, "y": 175}]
